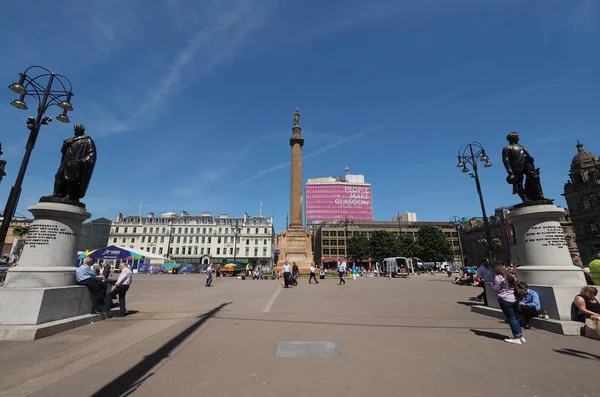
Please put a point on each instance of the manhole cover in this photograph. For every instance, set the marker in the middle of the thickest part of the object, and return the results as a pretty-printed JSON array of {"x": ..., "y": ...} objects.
[{"x": 308, "y": 349}]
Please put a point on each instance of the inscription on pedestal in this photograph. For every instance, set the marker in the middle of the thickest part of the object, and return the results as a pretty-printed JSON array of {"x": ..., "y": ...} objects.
[
  {"x": 44, "y": 234},
  {"x": 547, "y": 236}
]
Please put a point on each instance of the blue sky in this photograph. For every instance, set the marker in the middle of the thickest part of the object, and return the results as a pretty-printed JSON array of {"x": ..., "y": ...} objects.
[{"x": 190, "y": 103}]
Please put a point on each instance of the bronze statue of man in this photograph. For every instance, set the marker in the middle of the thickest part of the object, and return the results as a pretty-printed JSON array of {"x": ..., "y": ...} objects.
[
  {"x": 76, "y": 166},
  {"x": 519, "y": 165}
]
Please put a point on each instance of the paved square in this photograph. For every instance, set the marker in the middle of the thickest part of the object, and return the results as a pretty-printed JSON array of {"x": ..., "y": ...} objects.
[
  {"x": 308, "y": 349},
  {"x": 402, "y": 337}
]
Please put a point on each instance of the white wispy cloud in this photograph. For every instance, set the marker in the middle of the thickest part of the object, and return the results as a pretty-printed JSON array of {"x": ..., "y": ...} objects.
[
  {"x": 320, "y": 151},
  {"x": 215, "y": 41}
]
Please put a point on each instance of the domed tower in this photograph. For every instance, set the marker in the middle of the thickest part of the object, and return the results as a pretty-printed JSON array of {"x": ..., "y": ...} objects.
[{"x": 582, "y": 193}]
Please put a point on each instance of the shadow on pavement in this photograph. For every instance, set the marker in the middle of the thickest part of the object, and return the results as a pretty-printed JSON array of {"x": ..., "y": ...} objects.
[
  {"x": 490, "y": 335},
  {"x": 578, "y": 353},
  {"x": 473, "y": 303},
  {"x": 129, "y": 381}
]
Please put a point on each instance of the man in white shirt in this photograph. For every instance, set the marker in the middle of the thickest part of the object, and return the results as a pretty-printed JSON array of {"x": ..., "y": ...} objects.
[
  {"x": 312, "y": 275},
  {"x": 120, "y": 288},
  {"x": 341, "y": 272},
  {"x": 287, "y": 270},
  {"x": 85, "y": 275}
]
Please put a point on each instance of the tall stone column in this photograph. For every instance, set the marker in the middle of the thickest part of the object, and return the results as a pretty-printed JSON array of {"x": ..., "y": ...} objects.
[{"x": 296, "y": 142}]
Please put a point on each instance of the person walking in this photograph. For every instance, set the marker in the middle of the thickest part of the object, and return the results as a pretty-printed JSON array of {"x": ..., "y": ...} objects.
[
  {"x": 106, "y": 272},
  {"x": 120, "y": 288},
  {"x": 287, "y": 269},
  {"x": 341, "y": 272},
  {"x": 312, "y": 275},
  {"x": 504, "y": 284},
  {"x": 209, "y": 271},
  {"x": 595, "y": 269},
  {"x": 295, "y": 270}
]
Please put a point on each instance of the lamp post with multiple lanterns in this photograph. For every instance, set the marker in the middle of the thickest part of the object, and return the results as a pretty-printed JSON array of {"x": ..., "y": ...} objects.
[
  {"x": 48, "y": 89},
  {"x": 471, "y": 154}
]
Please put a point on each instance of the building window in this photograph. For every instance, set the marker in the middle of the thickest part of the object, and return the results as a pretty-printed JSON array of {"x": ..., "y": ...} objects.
[
  {"x": 184, "y": 239},
  {"x": 164, "y": 230},
  {"x": 255, "y": 251},
  {"x": 255, "y": 241},
  {"x": 186, "y": 230},
  {"x": 189, "y": 250},
  {"x": 326, "y": 251},
  {"x": 135, "y": 229},
  {"x": 226, "y": 230},
  {"x": 264, "y": 252},
  {"x": 266, "y": 231},
  {"x": 182, "y": 250},
  {"x": 171, "y": 251},
  {"x": 265, "y": 242},
  {"x": 218, "y": 240},
  {"x": 177, "y": 251},
  {"x": 133, "y": 240},
  {"x": 210, "y": 230},
  {"x": 151, "y": 230},
  {"x": 154, "y": 250},
  {"x": 125, "y": 230},
  {"x": 230, "y": 250},
  {"x": 203, "y": 230},
  {"x": 247, "y": 241},
  {"x": 218, "y": 250},
  {"x": 123, "y": 240},
  {"x": 209, "y": 240},
  {"x": 114, "y": 240},
  {"x": 162, "y": 239},
  {"x": 197, "y": 238},
  {"x": 202, "y": 251},
  {"x": 247, "y": 251},
  {"x": 195, "y": 250},
  {"x": 143, "y": 239},
  {"x": 220, "y": 230},
  {"x": 593, "y": 228},
  {"x": 586, "y": 204},
  {"x": 160, "y": 251},
  {"x": 155, "y": 239},
  {"x": 178, "y": 239},
  {"x": 203, "y": 240},
  {"x": 248, "y": 231},
  {"x": 117, "y": 230},
  {"x": 208, "y": 251},
  {"x": 237, "y": 250},
  {"x": 179, "y": 230}
]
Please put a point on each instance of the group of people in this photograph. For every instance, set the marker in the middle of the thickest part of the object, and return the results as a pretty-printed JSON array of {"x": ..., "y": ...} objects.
[
  {"x": 518, "y": 302},
  {"x": 86, "y": 275}
]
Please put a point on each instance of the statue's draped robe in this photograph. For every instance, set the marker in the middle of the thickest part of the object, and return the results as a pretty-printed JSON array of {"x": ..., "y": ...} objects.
[{"x": 77, "y": 164}]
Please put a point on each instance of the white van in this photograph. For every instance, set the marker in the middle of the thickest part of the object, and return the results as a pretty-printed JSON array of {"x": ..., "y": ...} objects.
[{"x": 397, "y": 267}]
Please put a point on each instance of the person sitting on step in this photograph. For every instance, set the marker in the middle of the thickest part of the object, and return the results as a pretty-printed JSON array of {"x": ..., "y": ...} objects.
[{"x": 529, "y": 303}]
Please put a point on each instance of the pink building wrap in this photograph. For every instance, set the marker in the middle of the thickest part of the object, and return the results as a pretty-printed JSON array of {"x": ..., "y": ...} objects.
[{"x": 338, "y": 201}]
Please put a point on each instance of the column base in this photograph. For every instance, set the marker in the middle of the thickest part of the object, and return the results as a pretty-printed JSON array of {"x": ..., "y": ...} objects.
[{"x": 33, "y": 306}]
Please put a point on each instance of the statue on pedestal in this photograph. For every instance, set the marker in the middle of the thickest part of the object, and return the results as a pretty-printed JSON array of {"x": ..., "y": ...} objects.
[
  {"x": 297, "y": 117},
  {"x": 519, "y": 165},
  {"x": 76, "y": 166}
]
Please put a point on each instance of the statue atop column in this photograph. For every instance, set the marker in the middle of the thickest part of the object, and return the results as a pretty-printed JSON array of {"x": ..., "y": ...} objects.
[
  {"x": 76, "y": 166},
  {"x": 297, "y": 118},
  {"x": 519, "y": 165}
]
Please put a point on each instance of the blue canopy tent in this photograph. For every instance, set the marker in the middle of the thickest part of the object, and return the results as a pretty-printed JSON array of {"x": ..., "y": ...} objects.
[{"x": 113, "y": 252}]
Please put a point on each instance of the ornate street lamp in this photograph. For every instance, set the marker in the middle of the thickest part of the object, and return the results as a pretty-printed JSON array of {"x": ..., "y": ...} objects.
[
  {"x": 48, "y": 89},
  {"x": 471, "y": 154},
  {"x": 236, "y": 230},
  {"x": 458, "y": 225},
  {"x": 2, "y": 165}
]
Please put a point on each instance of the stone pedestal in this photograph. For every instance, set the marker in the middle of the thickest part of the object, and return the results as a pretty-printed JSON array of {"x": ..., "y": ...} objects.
[
  {"x": 542, "y": 256},
  {"x": 42, "y": 288},
  {"x": 295, "y": 245}
]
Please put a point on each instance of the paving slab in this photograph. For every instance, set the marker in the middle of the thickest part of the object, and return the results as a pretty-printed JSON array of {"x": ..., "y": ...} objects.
[{"x": 401, "y": 337}]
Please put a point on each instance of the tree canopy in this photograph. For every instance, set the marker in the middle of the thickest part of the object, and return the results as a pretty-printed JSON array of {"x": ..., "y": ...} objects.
[
  {"x": 384, "y": 244},
  {"x": 433, "y": 244},
  {"x": 408, "y": 246},
  {"x": 358, "y": 248}
]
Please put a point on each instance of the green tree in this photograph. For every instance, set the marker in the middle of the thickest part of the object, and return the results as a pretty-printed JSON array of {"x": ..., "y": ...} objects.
[
  {"x": 383, "y": 245},
  {"x": 408, "y": 247},
  {"x": 433, "y": 244},
  {"x": 20, "y": 233},
  {"x": 358, "y": 248}
]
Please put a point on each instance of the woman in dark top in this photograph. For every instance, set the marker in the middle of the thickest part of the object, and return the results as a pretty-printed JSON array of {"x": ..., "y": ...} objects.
[{"x": 587, "y": 304}]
